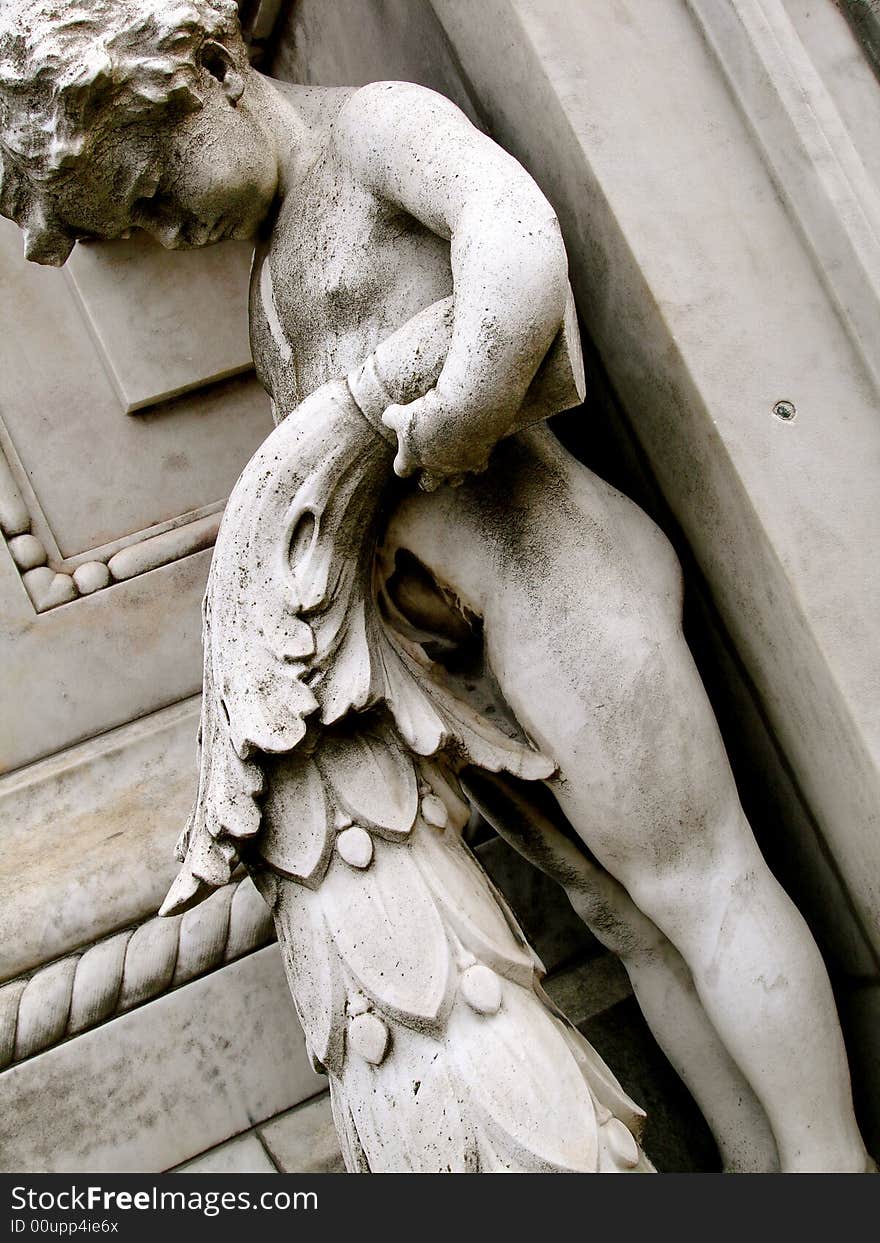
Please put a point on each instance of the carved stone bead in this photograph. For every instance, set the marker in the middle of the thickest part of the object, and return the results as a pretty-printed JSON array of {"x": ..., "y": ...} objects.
[
  {"x": 621, "y": 1144},
  {"x": 481, "y": 989},
  {"x": 48, "y": 589},
  {"x": 37, "y": 583},
  {"x": 369, "y": 1037},
  {"x": 434, "y": 811},
  {"x": 91, "y": 576},
  {"x": 27, "y": 552},
  {"x": 355, "y": 846}
]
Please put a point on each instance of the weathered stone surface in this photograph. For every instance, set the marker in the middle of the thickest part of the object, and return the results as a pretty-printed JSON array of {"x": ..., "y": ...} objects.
[
  {"x": 304, "y": 1141},
  {"x": 165, "y": 326},
  {"x": 187, "y": 1071},
  {"x": 114, "y": 656},
  {"x": 245, "y": 1155},
  {"x": 101, "y": 819},
  {"x": 131, "y": 472}
]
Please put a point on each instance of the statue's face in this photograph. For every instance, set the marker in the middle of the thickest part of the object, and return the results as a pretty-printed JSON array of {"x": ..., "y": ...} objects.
[{"x": 189, "y": 181}]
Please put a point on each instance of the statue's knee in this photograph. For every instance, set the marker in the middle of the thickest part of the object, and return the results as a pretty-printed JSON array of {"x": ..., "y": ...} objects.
[{"x": 685, "y": 885}]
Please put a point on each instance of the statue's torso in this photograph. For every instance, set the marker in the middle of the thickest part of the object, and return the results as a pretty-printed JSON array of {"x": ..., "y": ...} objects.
[
  {"x": 344, "y": 270},
  {"x": 340, "y": 272}
]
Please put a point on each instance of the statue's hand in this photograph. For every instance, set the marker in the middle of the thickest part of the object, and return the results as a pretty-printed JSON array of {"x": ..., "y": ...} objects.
[{"x": 443, "y": 438}]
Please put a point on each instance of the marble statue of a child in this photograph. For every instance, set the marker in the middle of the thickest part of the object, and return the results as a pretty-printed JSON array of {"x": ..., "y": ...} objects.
[{"x": 409, "y": 282}]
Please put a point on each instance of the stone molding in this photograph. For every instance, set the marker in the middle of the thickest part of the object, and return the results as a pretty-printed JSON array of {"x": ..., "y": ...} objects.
[
  {"x": 114, "y": 975},
  {"x": 809, "y": 151},
  {"x": 51, "y": 580}
]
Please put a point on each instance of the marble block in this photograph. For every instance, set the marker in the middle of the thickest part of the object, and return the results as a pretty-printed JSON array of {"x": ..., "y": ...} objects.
[{"x": 304, "y": 1140}]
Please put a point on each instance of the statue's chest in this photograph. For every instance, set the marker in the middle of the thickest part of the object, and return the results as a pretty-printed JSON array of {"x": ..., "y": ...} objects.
[{"x": 337, "y": 275}]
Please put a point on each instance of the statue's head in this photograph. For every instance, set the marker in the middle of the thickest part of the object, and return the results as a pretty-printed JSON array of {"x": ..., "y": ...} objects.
[{"x": 128, "y": 113}]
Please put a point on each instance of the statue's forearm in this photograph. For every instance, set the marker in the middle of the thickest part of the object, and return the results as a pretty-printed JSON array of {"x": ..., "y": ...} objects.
[
  {"x": 418, "y": 154},
  {"x": 407, "y": 364},
  {"x": 510, "y": 282}
]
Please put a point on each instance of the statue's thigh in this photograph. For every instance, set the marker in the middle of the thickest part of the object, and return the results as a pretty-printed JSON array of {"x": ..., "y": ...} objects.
[
  {"x": 643, "y": 775},
  {"x": 580, "y": 596}
]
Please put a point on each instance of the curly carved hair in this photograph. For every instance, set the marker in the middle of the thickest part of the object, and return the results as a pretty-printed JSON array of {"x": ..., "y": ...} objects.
[{"x": 69, "y": 69}]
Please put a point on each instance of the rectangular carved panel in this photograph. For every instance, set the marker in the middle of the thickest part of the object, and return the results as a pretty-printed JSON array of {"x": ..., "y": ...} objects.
[
  {"x": 164, "y": 323},
  {"x": 90, "y": 473}
]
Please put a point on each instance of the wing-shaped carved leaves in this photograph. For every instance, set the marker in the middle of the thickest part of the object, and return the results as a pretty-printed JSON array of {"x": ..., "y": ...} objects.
[
  {"x": 291, "y": 571},
  {"x": 412, "y": 1109},
  {"x": 296, "y": 837},
  {"x": 390, "y": 936},
  {"x": 445, "y": 787},
  {"x": 457, "y": 725},
  {"x": 349, "y": 683},
  {"x": 313, "y": 972},
  {"x": 293, "y": 630},
  {"x": 464, "y": 894},
  {"x": 531, "y": 1066},
  {"x": 421, "y": 726},
  {"x": 603, "y": 1085},
  {"x": 372, "y": 778},
  {"x": 356, "y": 1161}
]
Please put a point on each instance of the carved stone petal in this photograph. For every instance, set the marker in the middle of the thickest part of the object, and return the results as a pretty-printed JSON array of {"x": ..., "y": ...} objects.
[
  {"x": 348, "y": 681},
  {"x": 411, "y": 1112},
  {"x": 313, "y": 972},
  {"x": 535, "y": 1107},
  {"x": 349, "y": 1141},
  {"x": 468, "y": 902},
  {"x": 621, "y": 1144},
  {"x": 447, "y": 789},
  {"x": 297, "y": 832},
  {"x": 606, "y": 1090},
  {"x": 420, "y": 724},
  {"x": 373, "y": 780},
  {"x": 390, "y": 935},
  {"x": 425, "y": 709}
]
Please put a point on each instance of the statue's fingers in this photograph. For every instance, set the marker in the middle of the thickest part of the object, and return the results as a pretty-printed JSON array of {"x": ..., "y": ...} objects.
[{"x": 400, "y": 420}]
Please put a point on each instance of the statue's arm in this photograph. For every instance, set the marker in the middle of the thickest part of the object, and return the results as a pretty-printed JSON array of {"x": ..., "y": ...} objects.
[{"x": 416, "y": 151}]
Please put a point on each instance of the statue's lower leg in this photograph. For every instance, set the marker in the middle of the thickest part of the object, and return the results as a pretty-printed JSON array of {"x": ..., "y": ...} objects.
[
  {"x": 754, "y": 965},
  {"x": 660, "y": 978},
  {"x": 768, "y": 995}
]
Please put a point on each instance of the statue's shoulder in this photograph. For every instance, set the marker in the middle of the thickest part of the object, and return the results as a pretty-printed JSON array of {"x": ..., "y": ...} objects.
[{"x": 391, "y": 113}]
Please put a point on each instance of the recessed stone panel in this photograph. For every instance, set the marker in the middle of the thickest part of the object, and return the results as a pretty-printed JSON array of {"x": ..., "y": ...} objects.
[{"x": 164, "y": 322}]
